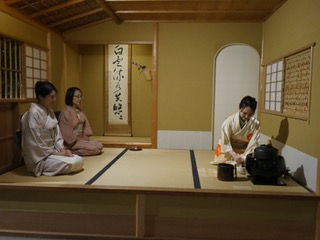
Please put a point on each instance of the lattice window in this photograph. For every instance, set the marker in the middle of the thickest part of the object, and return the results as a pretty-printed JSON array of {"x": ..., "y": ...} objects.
[
  {"x": 10, "y": 68},
  {"x": 273, "y": 87},
  {"x": 287, "y": 85},
  {"x": 36, "y": 68}
]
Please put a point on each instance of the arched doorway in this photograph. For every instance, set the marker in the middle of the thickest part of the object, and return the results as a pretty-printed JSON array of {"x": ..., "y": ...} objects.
[{"x": 236, "y": 75}]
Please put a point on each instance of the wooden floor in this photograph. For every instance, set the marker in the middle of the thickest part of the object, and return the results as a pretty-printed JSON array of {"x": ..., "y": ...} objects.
[{"x": 151, "y": 168}]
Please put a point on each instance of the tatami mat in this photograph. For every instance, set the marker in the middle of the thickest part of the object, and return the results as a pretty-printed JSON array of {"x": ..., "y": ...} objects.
[
  {"x": 151, "y": 168},
  {"x": 154, "y": 168},
  {"x": 91, "y": 166}
]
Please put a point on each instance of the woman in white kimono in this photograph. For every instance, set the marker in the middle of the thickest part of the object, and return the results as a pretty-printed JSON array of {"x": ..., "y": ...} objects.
[
  {"x": 75, "y": 127},
  {"x": 42, "y": 144},
  {"x": 239, "y": 134}
]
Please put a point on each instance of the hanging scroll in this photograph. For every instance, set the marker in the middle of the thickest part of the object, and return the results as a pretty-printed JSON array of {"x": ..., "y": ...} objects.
[
  {"x": 117, "y": 90},
  {"x": 118, "y": 84},
  {"x": 297, "y": 85}
]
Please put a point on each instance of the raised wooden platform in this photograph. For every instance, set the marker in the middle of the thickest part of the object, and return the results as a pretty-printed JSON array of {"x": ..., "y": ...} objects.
[{"x": 151, "y": 194}]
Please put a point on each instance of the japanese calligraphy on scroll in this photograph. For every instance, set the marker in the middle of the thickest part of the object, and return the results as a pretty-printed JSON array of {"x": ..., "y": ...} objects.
[
  {"x": 297, "y": 85},
  {"x": 118, "y": 84}
]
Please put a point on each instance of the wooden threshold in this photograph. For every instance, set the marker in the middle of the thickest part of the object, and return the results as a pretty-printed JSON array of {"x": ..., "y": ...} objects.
[
  {"x": 123, "y": 142},
  {"x": 126, "y": 144}
]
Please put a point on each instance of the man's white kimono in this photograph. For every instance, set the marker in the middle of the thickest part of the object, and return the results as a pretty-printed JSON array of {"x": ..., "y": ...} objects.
[
  {"x": 41, "y": 137},
  {"x": 234, "y": 138}
]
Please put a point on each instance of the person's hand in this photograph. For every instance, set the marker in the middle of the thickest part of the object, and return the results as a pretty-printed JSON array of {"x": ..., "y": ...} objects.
[
  {"x": 240, "y": 159},
  {"x": 68, "y": 153},
  {"x": 237, "y": 157},
  {"x": 233, "y": 155},
  {"x": 64, "y": 152}
]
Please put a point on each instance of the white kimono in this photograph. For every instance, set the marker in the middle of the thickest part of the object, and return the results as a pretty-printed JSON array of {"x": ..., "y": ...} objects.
[
  {"x": 40, "y": 138},
  {"x": 241, "y": 140}
]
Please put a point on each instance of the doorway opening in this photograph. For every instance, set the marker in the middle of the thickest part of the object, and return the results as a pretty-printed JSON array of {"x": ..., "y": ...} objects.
[{"x": 236, "y": 75}]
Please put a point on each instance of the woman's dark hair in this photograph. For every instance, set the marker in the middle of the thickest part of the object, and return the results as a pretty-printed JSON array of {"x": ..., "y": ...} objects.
[
  {"x": 44, "y": 88},
  {"x": 248, "y": 101},
  {"x": 69, "y": 95}
]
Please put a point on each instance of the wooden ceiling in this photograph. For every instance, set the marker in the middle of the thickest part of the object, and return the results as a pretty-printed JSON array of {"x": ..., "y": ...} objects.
[{"x": 65, "y": 15}]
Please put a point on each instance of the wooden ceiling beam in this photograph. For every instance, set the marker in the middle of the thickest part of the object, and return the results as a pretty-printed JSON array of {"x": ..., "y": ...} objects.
[
  {"x": 18, "y": 15},
  {"x": 190, "y": 17},
  {"x": 167, "y": 0},
  {"x": 56, "y": 7},
  {"x": 109, "y": 11},
  {"x": 81, "y": 15},
  {"x": 189, "y": 11},
  {"x": 192, "y": 5},
  {"x": 212, "y": 1}
]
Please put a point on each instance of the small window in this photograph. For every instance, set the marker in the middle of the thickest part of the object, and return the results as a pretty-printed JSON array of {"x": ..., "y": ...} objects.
[
  {"x": 274, "y": 87},
  {"x": 10, "y": 68},
  {"x": 36, "y": 68}
]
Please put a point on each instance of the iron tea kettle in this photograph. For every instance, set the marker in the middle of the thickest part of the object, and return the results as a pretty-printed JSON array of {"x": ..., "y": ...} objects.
[{"x": 265, "y": 165}]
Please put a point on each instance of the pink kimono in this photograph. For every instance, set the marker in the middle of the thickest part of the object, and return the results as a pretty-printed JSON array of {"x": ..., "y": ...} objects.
[{"x": 75, "y": 130}]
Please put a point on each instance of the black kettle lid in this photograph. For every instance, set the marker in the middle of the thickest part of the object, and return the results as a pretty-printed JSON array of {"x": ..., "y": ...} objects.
[
  {"x": 266, "y": 147},
  {"x": 266, "y": 150}
]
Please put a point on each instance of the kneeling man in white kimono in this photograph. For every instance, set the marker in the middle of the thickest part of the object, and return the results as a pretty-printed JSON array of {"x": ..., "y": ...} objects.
[
  {"x": 239, "y": 134},
  {"x": 42, "y": 144}
]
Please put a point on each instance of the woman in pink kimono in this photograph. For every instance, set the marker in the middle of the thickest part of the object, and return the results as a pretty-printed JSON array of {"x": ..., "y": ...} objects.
[
  {"x": 239, "y": 134},
  {"x": 42, "y": 144},
  {"x": 75, "y": 127}
]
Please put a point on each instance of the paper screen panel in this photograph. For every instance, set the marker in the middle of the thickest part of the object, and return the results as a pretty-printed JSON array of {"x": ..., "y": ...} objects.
[
  {"x": 43, "y": 55},
  {"x": 36, "y": 63},
  {"x": 36, "y": 53},
  {"x": 29, "y": 51},
  {"x": 30, "y": 92},
  {"x": 273, "y": 86}
]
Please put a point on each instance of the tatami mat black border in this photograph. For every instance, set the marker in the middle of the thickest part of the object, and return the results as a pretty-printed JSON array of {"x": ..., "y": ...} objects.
[
  {"x": 103, "y": 170},
  {"x": 195, "y": 174}
]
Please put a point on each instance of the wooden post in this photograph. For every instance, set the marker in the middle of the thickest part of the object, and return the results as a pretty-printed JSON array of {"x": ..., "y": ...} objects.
[
  {"x": 154, "y": 87},
  {"x": 140, "y": 215},
  {"x": 1, "y": 70},
  {"x": 49, "y": 72},
  {"x": 23, "y": 80},
  {"x": 65, "y": 67},
  {"x": 317, "y": 235},
  {"x": 15, "y": 70},
  {"x": 10, "y": 68},
  {"x": 6, "y": 69},
  {"x": 318, "y": 178},
  {"x": 261, "y": 96}
]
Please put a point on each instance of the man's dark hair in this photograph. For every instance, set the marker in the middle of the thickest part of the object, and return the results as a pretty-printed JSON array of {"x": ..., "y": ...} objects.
[
  {"x": 69, "y": 95},
  {"x": 44, "y": 88},
  {"x": 248, "y": 101}
]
